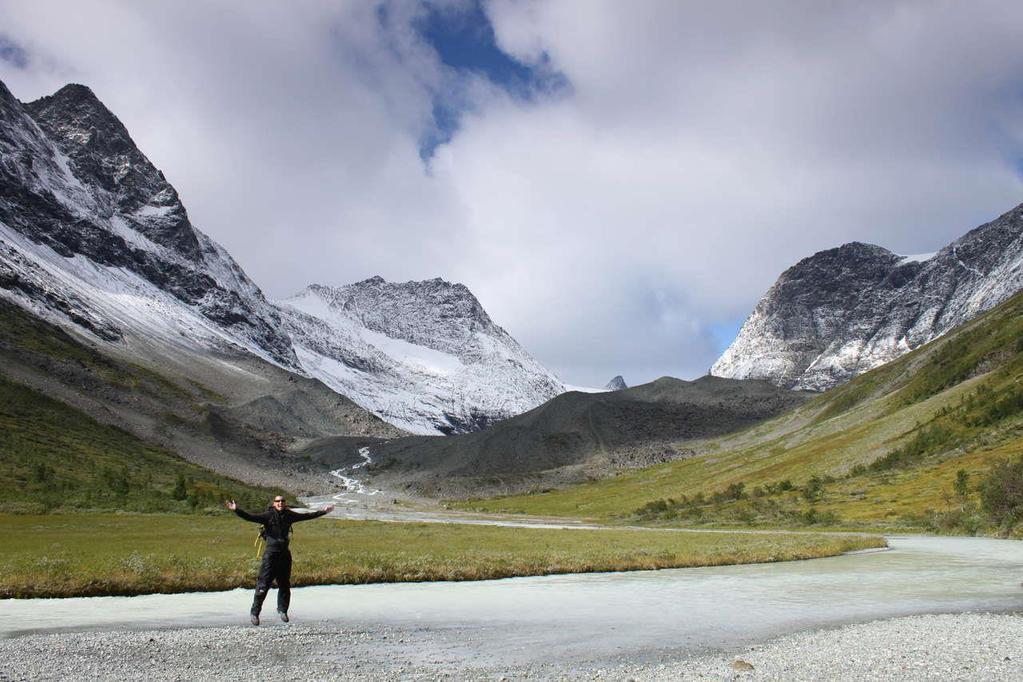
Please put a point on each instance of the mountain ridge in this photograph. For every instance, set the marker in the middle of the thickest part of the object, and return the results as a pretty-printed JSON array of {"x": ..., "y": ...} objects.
[
  {"x": 87, "y": 219},
  {"x": 573, "y": 437},
  {"x": 425, "y": 355},
  {"x": 94, "y": 238},
  {"x": 843, "y": 311}
]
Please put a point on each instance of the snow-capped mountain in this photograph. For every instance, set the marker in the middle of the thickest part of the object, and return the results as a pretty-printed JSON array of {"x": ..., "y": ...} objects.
[
  {"x": 93, "y": 236},
  {"x": 425, "y": 356},
  {"x": 847, "y": 310}
]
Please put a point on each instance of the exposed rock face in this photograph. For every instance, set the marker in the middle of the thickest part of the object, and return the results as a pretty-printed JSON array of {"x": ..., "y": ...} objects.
[
  {"x": 94, "y": 238},
  {"x": 847, "y": 310},
  {"x": 91, "y": 232},
  {"x": 616, "y": 384},
  {"x": 425, "y": 356}
]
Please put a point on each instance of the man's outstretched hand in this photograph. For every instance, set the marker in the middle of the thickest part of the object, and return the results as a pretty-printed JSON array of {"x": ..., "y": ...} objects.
[
  {"x": 230, "y": 505},
  {"x": 329, "y": 508}
]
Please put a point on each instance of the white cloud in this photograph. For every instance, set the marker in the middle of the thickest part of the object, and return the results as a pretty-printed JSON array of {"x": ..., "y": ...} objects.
[{"x": 700, "y": 148}]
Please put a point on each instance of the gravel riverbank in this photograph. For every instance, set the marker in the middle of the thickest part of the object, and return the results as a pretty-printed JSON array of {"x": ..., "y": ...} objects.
[{"x": 946, "y": 647}]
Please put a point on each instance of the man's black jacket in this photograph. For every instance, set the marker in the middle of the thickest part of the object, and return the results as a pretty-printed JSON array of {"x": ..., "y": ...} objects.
[{"x": 277, "y": 523}]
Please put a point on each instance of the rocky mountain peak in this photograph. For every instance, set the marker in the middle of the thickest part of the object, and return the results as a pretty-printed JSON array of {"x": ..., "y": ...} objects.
[
  {"x": 80, "y": 195},
  {"x": 8, "y": 102},
  {"x": 846, "y": 310},
  {"x": 434, "y": 313},
  {"x": 102, "y": 153},
  {"x": 831, "y": 270},
  {"x": 423, "y": 355},
  {"x": 76, "y": 117},
  {"x": 616, "y": 384}
]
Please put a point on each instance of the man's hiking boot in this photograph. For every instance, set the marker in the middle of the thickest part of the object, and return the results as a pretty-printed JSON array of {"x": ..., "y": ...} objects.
[
  {"x": 254, "y": 618},
  {"x": 284, "y": 615}
]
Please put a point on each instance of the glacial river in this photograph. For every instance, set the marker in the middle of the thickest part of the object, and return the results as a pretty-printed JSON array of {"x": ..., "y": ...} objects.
[{"x": 526, "y": 619}]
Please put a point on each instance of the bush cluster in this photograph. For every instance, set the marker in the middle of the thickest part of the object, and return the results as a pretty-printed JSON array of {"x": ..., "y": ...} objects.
[
  {"x": 765, "y": 504},
  {"x": 1001, "y": 493}
]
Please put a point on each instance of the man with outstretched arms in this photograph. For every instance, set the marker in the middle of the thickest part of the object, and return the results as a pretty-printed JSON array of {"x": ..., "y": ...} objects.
[{"x": 276, "y": 520}]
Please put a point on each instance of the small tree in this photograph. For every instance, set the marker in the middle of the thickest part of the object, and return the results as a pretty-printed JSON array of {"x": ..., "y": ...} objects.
[
  {"x": 179, "y": 492},
  {"x": 962, "y": 487},
  {"x": 814, "y": 489},
  {"x": 736, "y": 491}
]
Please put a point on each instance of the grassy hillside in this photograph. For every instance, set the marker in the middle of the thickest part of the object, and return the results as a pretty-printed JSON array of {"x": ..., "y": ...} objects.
[
  {"x": 231, "y": 413},
  {"x": 885, "y": 449},
  {"x": 56, "y": 457},
  {"x": 53, "y": 457}
]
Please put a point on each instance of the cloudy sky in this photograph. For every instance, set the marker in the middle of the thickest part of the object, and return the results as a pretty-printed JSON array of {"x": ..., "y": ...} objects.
[{"x": 618, "y": 182}]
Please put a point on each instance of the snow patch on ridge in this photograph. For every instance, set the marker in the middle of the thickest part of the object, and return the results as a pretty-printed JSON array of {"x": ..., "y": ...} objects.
[
  {"x": 918, "y": 258},
  {"x": 460, "y": 373}
]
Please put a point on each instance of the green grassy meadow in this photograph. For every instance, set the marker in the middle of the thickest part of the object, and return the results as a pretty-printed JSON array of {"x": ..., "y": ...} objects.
[{"x": 61, "y": 555}]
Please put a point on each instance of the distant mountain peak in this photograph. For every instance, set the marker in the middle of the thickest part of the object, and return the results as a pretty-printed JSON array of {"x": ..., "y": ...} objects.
[
  {"x": 616, "y": 384},
  {"x": 424, "y": 355}
]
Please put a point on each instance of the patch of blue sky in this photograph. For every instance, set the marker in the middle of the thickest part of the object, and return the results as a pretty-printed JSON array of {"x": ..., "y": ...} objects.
[
  {"x": 464, "y": 40},
  {"x": 724, "y": 333},
  {"x": 12, "y": 53}
]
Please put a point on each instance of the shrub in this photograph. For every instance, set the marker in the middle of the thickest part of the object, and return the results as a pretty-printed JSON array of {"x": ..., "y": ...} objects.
[
  {"x": 43, "y": 473},
  {"x": 117, "y": 480},
  {"x": 735, "y": 491},
  {"x": 814, "y": 489},
  {"x": 180, "y": 491},
  {"x": 779, "y": 487},
  {"x": 1008, "y": 405},
  {"x": 962, "y": 485},
  {"x": 1001, "y": 492},
  {"x": 653, "y": 508},
  {"x": 954, "y": 521}
]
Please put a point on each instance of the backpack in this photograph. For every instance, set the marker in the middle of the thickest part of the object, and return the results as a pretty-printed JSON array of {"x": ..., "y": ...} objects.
[{"x": 261, "y": 536}]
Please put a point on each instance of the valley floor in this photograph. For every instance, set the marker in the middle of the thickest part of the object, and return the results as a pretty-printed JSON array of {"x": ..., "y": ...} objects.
[
  {"x": 948, "y": 647},
  {"x": 74, "y": 555}
]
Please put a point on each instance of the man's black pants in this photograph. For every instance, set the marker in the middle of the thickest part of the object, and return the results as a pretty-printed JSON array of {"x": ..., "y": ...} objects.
[{"x": 276, "y": 566}]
